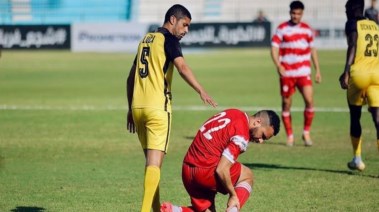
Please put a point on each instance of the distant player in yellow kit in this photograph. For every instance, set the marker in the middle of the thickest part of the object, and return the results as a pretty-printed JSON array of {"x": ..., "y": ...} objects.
[
  {"x": 149, "y": 95},
  {"x": 361, "y": 74}
]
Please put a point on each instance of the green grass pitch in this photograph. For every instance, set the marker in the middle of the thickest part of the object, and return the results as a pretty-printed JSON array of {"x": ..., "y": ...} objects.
[{"x": 64, "y": 145}]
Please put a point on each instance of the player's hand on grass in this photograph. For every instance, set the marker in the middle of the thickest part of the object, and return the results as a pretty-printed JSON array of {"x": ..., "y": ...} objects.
[
  {"x": 344, "y": 80},
  {"x": 130, "y": 122}
]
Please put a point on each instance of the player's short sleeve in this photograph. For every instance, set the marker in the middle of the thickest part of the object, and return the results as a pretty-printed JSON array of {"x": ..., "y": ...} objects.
[
  {"x": 239, "y": 141},
  {"x": 311, "y": 37},
  {"x": 350, "y": 26},
  {"x": 173, "y": 48},
  {"x": 237, "y": 145},
  {"x": 277, "y": 38}
]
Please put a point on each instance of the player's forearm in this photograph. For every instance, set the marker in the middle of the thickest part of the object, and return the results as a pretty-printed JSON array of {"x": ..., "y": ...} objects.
[
  {"x": 129, "y": 94},
  {"x": 190, "y": 78},
  {"x": 314, "y": 56},
  {"x": 187, "y": 74},
  {"x": 224, "y": 176},
  {"x": 223, "y": 172},
  {"x": 130, "y": 86},
  {"x": 275, "y": 56},
  {"x": 351, "y": 49},
  {"x": 350, "y": 55},
  {"x": 347, "y": 68}
]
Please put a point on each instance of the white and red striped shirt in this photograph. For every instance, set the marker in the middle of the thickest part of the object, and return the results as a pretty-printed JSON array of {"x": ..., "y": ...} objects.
[{"x": 295, "y": 43}]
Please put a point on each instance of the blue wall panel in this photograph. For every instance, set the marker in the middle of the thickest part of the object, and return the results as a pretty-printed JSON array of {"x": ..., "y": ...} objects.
[{"x": 64, "y": 11}]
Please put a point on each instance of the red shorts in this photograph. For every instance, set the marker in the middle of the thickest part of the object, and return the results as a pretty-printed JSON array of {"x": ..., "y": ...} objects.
[
  {"x": 202, "y": 184},
  {"x": 288, "y": 85}
]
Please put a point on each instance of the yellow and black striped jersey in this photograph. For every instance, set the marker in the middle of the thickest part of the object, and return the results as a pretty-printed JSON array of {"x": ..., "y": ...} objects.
[
  {"x": 366, "y": 55},
  {"x": 154, "y": 70}
]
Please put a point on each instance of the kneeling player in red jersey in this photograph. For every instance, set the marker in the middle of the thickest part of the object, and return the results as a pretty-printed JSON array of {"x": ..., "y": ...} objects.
[{"x": 211, "y": 166}]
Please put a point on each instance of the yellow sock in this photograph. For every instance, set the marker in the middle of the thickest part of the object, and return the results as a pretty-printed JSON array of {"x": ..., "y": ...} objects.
[
  {"x": 357, "y": 146},
  {"x": 156, "y": 201},
  {"x": 152, "y": 177}
]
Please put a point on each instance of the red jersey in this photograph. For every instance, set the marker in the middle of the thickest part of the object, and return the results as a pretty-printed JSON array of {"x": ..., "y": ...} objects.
[
  {"x": 224, "y": 134},
  {"x": 295, "y": 43}
]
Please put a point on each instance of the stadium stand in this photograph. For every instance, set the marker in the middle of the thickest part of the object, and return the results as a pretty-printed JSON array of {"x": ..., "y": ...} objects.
[
  {"x": 69, "y": 11},
  {"x": 63, "y": 11}
]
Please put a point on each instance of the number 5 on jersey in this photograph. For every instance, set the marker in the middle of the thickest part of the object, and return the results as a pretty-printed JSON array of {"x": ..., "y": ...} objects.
[{"x": 143, "y": 72}]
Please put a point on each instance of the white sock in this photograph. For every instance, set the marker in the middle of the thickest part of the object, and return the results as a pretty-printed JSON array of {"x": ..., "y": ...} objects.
[
  {"x": 234, "y": 209},
  {"x": 176, "y": 208},
  {"x": 357, "y": 159}
]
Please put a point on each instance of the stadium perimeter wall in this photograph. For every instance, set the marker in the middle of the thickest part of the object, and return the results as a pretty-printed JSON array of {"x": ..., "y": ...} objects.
[
  {"x": 327, "y": 17},
  {"x": 216, "y": 23},
  {"x": 230, "y": 17},
  {"x": 125, "y": 36}
]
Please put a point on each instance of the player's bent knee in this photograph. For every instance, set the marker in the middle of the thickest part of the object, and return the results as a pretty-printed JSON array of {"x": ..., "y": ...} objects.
[{"x": 246, "y": 176}]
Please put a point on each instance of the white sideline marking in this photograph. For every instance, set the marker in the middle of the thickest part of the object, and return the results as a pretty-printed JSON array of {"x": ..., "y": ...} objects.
[{"x": 175, "y": 108}]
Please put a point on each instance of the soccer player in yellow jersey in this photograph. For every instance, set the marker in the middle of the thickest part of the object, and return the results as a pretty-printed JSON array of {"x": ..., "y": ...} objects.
[
  {"x": 361, "y": 74},
  {"x": 149, "y": 95}
]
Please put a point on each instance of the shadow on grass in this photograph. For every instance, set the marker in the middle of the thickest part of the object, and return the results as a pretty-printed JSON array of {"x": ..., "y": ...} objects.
[
  {"x": 189, "y": 137},
  {"x": 283, "y": 143},
  {"x": 28, "y": 209},
  {"x": 275, "y": 166}
]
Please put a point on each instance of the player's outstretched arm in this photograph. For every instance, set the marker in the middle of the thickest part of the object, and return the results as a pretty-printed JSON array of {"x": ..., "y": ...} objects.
[{"x": 187, "y": 74}]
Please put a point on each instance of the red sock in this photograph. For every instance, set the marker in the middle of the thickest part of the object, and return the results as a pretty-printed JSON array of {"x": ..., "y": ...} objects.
[
  {"x": 187, "y": 209},
  {"x": 243, "y": 191},
  {"x": 286, "y": 117},
  {"x": 175, "y": 208},
  {"x": 308, "y": 117}
]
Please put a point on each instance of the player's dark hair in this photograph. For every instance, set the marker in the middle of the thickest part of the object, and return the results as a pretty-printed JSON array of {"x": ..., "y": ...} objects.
[
  {"x": 177, "y": 10},
  {"x": 296, "y": 5},
  {"x": 273, "y": 119},
  {"x": 356, "y": 6}
]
